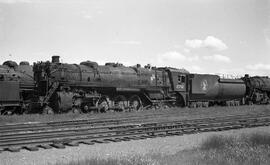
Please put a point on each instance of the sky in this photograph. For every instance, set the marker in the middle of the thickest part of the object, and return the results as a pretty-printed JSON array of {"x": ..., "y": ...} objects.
[{"x": 203, "y": 36}]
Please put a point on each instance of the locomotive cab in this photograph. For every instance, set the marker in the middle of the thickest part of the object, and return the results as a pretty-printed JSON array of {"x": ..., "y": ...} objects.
[{"x": 179, "y": 85}]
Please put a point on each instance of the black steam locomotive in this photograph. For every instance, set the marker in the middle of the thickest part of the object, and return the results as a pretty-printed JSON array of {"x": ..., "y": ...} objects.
[{"x": 54, "y": 87}]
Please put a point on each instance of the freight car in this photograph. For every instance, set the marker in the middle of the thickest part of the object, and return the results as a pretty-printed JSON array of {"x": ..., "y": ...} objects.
[
  {"x": 16, "y": 87},
  {"x": 92, "y": 87}
]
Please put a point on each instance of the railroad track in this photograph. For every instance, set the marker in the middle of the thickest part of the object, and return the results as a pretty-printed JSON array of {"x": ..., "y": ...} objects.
[
  {"x": 101, "y": 121},
  {"x": 62, "y": 136}
]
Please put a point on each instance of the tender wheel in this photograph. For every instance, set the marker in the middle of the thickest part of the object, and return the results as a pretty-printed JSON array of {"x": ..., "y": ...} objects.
[
  {"x": 193, "y": 105},
  {"x": 135, "y": 103},
  {"x": 47, "y": 110},
  {"x": 205, "y": 104}
]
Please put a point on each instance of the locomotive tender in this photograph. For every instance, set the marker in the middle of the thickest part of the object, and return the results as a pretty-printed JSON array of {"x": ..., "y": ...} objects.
[
  {"x": 16, "y": 87},
  {"x": 57, "y": 87}
]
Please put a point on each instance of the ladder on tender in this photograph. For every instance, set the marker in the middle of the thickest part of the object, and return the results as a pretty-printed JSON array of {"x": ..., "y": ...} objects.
[{"x": 50, "y": 92}]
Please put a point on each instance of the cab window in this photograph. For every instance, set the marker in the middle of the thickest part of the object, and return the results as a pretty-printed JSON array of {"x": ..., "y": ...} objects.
[{"x": 181, "y": 79}]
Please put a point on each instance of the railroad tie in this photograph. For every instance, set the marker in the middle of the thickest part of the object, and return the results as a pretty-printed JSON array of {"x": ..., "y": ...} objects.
[
  {"x": 177, "y": 133},
  {"x": 13, "y": 149},
  {"x": 117, "y": 139},
  {"x": 72, "y": 144},
  {"x": 110, "y": 140},
  {"x": 31, "y": 148},
  {"x": 88, "y": 142},
  {"x": 152, "y": 135},
  {"x": 104, "y": 141},
  {"x": 97, "y": 141},
  {"x": 138, "y": 138},
  {"x": 186, "y": 132},
  {"x": 133, "y": 138},
  {"x": 227, "y": 128},
  {"x": 45, "y": 146},
  {"x": 204, "y": 130},
  {"x": 146, "y": 136},
  {"x": 124, "y": 139},
  {"x": 161, "y": 135},
  {"x": 170, "y": 134},
  {"x": 58, "y": 145}
]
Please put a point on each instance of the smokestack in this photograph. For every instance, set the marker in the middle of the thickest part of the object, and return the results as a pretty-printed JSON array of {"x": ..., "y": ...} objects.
[{"x": 55, "y": 59}]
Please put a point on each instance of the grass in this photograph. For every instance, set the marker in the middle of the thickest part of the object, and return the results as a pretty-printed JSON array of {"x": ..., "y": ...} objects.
[
  {"x": 135, "y": 160},
  {"x": 247, "y": 149},
  {"x": 216, "y": 142}
]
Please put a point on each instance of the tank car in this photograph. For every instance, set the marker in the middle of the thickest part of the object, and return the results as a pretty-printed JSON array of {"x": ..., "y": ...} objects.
[
  {"x": 258, "y": 89},
  {"x": 16, "y": 87}
]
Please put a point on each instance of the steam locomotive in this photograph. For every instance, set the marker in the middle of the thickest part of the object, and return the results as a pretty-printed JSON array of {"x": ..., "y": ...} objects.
[{"x": 54, "y": 87}]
